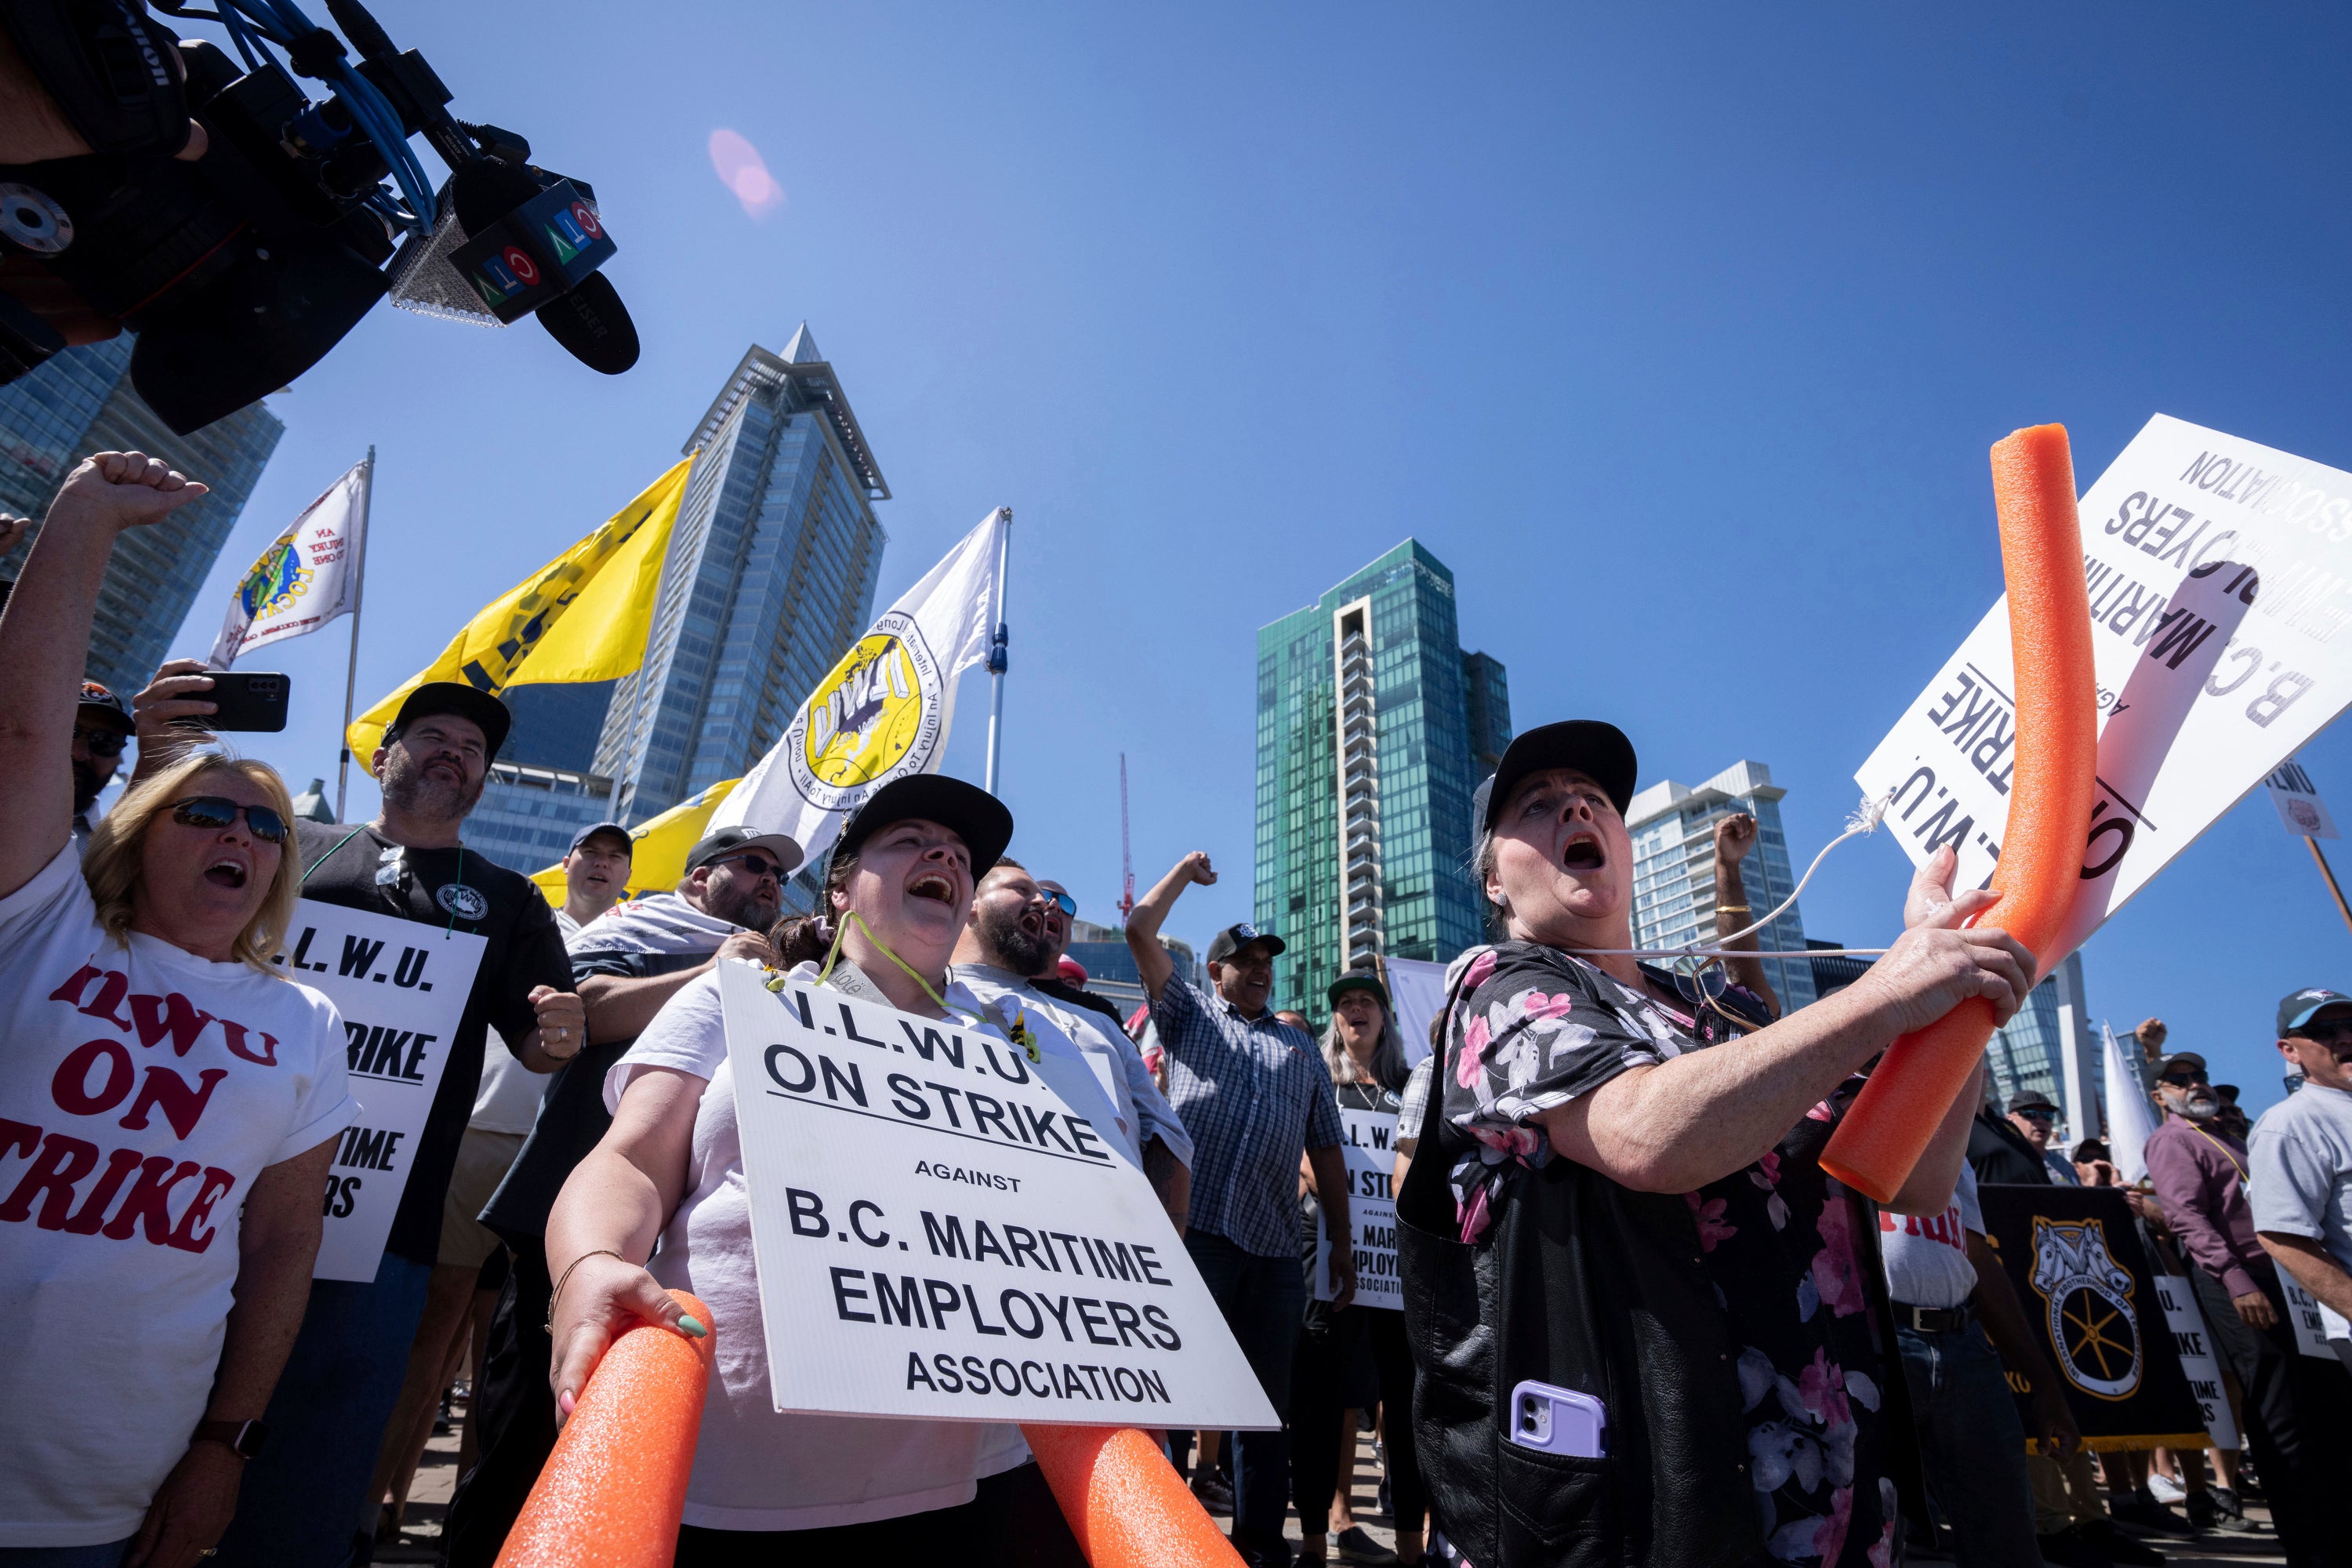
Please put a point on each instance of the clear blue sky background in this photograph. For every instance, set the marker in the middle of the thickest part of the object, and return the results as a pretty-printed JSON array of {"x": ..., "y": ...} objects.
[{"x": 1680, "y": 338}]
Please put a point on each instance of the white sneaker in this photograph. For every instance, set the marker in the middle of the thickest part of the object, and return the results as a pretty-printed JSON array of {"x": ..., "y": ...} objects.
[{"x": 2164, "y": 1489}]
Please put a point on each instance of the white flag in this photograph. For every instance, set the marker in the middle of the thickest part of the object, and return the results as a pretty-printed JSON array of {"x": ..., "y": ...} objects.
[
  {"x": 307, "y": 576},
  {"x": 883, "y": 712},
  {"x": 2131, "y": 1120}
]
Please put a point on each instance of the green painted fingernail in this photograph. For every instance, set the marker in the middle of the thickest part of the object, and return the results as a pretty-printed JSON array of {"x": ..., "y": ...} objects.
[{"x": 688, "y": 1324}]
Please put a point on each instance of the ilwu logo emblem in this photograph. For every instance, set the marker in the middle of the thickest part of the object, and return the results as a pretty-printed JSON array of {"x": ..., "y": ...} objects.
[
  {"x": 875, "y": 716},
  {"x": 2094, "y": 1325}
]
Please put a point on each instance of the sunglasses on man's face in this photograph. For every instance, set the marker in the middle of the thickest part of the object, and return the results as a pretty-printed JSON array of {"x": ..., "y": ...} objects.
[
  {"x": 217, "y": 811},
  {"x": 2188, "y": 1079},
  {"x": 2039, "y": 1115},
  {"x": 754, "y": 866},
  {"x": 101, "y": 742},
  {"x": 1062, "y": 902}
]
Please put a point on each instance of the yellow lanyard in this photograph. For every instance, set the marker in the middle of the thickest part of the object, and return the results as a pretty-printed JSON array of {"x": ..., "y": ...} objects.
[
  {"x": 833, "y": 953},
  {"x": 2221, "y": 1146}
]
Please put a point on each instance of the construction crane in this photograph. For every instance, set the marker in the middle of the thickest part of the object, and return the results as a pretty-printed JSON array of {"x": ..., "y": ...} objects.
[{"x": 1125, "y": 858}]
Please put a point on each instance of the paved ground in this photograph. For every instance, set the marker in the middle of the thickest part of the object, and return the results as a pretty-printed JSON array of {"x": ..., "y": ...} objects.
[{"x": 429, "y": 1498}]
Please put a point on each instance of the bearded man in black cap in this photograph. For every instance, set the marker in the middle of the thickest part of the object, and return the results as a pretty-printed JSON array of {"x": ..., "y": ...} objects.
[{"x": 304, "y": 1497}]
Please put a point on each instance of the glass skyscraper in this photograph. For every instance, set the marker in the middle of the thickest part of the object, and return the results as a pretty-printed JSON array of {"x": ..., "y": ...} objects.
[
  {"x": 1673, "y": 872},
  {"x": 80, "y": 402},
  {"x": 770, "y": 577},
  {"x": 1366, "y": 758}
]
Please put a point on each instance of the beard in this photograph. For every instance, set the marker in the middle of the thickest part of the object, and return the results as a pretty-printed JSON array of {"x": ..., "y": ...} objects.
[
  {"x": 744, "y": 910},
  {"x": 87, "y": 782},
  {"x": 1009, "y": 947},
  {"x": 409, "y": 788},
  {"x": 2201, "y": 1107}
]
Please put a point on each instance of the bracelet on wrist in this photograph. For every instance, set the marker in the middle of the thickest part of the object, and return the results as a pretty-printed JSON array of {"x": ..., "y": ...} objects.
[{"x": 556, "y": 1294}]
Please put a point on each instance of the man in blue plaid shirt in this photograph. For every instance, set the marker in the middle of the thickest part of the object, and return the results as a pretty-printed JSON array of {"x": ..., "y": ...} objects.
[{"x": 1255, "y": 1097}]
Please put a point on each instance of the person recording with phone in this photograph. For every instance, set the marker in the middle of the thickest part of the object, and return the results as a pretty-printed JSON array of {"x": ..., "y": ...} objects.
[{"x": 1617, "y": 1234}]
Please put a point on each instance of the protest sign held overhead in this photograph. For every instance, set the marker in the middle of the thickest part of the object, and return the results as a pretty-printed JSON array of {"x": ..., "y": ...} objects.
[
  {"x": 2301, "y": 811},
  {"x": 2074, "y": 1257},
  {"x": 401, "y": 989},
  {"x": 885, "y": 708},
  {"x": 939, "y": 1236},
  {"x": 2218, "y": 573},
  {"x": 307, "y": 576}
]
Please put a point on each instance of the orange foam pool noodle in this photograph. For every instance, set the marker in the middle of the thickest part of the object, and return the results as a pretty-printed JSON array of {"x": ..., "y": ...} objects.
[
  {"x": 1888, "y": 1127},
  {"x": 615, "y": 1487},
  {"x": 1125, "y": 1502}
]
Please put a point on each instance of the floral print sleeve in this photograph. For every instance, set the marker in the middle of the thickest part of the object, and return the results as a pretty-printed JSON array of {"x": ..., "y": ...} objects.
[{"x": 1530, "y": 1029}]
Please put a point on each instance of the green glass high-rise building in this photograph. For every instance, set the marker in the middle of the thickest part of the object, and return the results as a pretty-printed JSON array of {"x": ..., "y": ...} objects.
[{"x": 1373, "y": 727}]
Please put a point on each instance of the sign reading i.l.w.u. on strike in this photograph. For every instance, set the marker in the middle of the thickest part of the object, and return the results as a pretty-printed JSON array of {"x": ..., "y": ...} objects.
[
  {"x": 2220, "y": 585},
  {"x": 939, "y": 1234},
  {"x": 401, "y": 988}
]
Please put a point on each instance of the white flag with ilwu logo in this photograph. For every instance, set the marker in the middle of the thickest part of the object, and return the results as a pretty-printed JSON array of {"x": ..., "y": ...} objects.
[
  {"x": 883, "y": 712},
  {"x": 307, "y": 576}
]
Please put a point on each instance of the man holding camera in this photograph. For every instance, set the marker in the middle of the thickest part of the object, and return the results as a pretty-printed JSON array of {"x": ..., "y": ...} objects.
[{"x": 304, "y": 1500}]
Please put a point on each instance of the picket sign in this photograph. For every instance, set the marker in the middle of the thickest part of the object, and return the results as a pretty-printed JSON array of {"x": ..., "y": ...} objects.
[
  {"x": 2219, "y": 575},
  {"x": 401, "y": 987},
  {"x": 939, "y": 1237},
  {"x": 2314, "y": 1321},
  {"x": 1368, "y": 1138},
  {"x": 2191, "y": 1339}
]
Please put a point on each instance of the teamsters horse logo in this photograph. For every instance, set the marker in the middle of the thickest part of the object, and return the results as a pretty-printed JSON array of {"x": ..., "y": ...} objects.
[
  {"x": 876, "y": 714},
  {"x": 2088, "y": 1297},
  {"x": 277, "y": 579}
]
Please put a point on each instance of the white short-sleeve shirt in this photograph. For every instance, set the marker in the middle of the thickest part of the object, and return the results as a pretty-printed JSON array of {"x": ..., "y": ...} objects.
[
  {"x": 142, "y": 1090},
  {"x": 754, "y": 1469}
]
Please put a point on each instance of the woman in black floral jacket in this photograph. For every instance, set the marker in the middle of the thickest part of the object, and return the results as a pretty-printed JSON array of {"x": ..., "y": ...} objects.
[{"x": 1576, "y": 1091}]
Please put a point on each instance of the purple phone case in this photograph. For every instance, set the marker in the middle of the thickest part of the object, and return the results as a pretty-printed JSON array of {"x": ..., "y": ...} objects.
[{"x": 1557, "y": 1421}]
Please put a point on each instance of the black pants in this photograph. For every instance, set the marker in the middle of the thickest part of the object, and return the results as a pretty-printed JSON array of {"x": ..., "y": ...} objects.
[
  {"x": 516, "y": 1417},
  {"x": 1013, "y": 1523},
  {"x": 2296, "y": 1422},
  {"x": 1322, "y": 1388}
]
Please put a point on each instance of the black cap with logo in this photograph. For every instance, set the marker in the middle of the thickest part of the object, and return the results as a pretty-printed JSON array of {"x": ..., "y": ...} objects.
[
  {"x": 2296, "y": 1011},
  {"x": 728, "y": 841},
  {"x": 1239, "y": 936}
]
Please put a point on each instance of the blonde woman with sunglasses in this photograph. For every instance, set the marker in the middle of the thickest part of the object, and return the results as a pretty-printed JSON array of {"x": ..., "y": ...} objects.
[{"x": 169, "y": 1103}]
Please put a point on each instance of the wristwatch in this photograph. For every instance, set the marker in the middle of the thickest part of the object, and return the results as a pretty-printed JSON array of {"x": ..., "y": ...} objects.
[{"x": 243, "y": 1438}]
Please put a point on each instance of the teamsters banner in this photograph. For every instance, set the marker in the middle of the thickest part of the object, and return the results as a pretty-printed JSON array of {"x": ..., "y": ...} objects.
[
  {"x": 2074, "y": 1258},
  {"x": 883, "y": 710}
]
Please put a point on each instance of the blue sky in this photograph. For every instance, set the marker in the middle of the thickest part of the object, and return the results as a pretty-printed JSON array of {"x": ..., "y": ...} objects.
[{"x": 1679, "y": 336}]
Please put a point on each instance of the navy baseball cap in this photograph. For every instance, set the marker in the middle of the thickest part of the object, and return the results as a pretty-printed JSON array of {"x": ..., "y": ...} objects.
[
  {"x": 628, "y": 844},
  {"x": 2297, "y": 1010},
  {"x": 1239, "y": 936}
]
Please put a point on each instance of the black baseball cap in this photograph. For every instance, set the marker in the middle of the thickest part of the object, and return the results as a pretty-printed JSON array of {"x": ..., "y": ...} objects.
[
  {"x": 99, "y": 703},
  {"x": 1591, "y": 746},
  {"x": 728, "y": 841},
  {"x": 979, "y": 818},
  {"x": 2295, "y": 1011},
  {"x": 2031, "y": 1099},
  {"x": 1239, "y": 936},
  {"x": 2179, "y": 1059},
  {"x": 488, "y": 714},
  {"x": 628, "y": 844},
  {"x": 1358, "y": 980}
]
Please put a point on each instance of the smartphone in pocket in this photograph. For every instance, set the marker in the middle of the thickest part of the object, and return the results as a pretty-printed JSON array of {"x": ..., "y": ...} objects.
[
  {"x": 1557, "y": 1421},
  {"x": 245, "y": 700}
]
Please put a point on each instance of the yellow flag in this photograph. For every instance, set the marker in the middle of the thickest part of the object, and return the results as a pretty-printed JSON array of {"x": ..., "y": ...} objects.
[
  {"x": 658, "y": 859},
  {"x": 613, "y": 573}
]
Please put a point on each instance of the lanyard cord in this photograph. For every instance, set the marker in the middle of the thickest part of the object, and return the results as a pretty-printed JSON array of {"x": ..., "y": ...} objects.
[
  {"x": 330, "y": 855},
  {"x": 2221, "y": 1146},
  {"x": 834, "y": 952}
]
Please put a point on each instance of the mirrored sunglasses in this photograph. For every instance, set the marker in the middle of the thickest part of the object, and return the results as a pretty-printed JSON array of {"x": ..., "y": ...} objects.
[
  {"x": 217, "y": 812},
  {"x": 1062, "y": 902}
]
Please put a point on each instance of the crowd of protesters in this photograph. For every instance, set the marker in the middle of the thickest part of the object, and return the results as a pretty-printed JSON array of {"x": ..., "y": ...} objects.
[{"x": 1607, "y": 1183}]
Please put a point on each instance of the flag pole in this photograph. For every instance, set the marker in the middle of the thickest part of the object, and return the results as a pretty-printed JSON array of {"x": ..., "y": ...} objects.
[
  {"x": 359, "y": 595},
  {"x": 998, "y": 656},
  {"x": 2327, "y": 871}
]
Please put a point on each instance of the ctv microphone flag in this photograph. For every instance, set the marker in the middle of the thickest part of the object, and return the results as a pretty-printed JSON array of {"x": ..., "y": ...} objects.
[
  {"x": 883, "y": 712},
  {"x": 307, "y": 576},
  {"x": 496, "y": 648}
]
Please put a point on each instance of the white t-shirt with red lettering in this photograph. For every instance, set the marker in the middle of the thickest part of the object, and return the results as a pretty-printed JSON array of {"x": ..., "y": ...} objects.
[
  {"x": 1926, "y": 1256},
  {"x": 142, "y": 1090}
]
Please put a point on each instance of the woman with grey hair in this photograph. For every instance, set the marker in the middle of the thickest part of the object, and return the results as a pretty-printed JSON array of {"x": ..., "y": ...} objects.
[
  {"x": 1354, "y": 1357},
  {"x": 1623, "y": 1243}
]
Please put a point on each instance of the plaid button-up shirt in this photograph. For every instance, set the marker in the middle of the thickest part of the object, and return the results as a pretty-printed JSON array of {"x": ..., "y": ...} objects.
[{"x": 1254, "y": 1095}]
